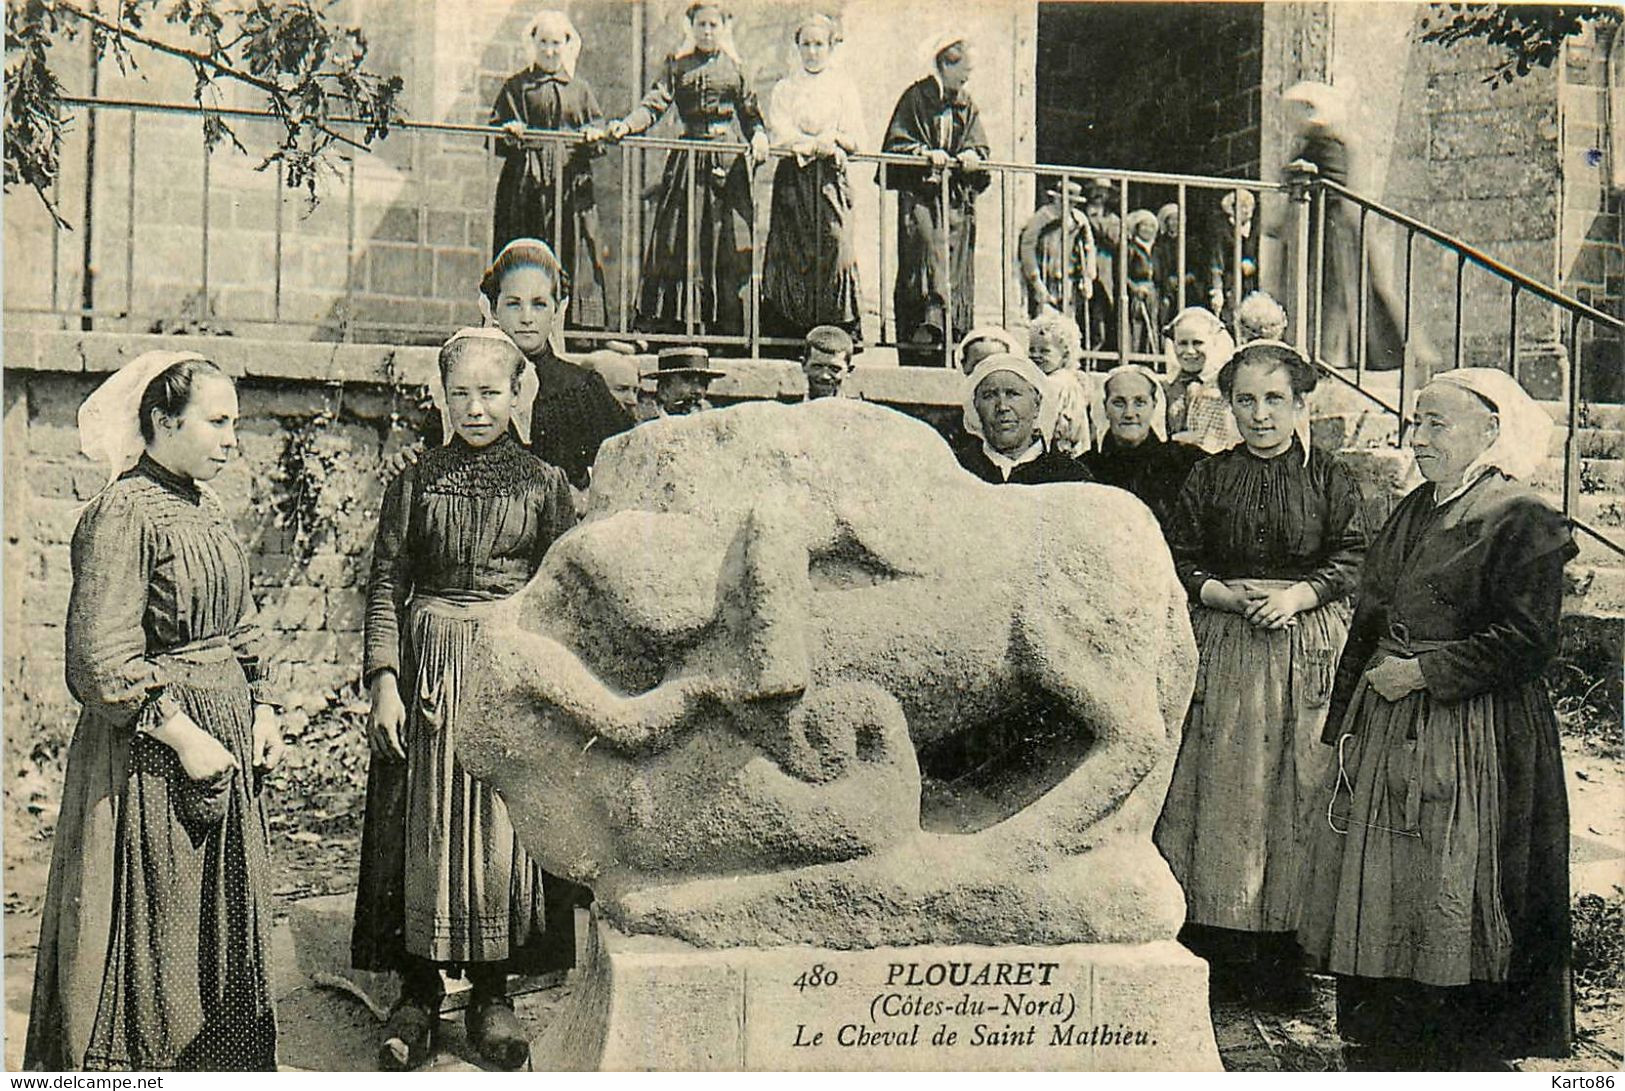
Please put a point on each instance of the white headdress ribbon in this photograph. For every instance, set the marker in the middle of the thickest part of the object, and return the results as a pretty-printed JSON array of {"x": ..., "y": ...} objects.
[
  {"x": 524, "y": 403},
  {"x": 110, "y": 419},
  {"x": 1525, "y": 428},
  {"x": 1159, "y": 401},
  {"x": 1048, "y": 401},
  {"x": 560, "y": 22}
]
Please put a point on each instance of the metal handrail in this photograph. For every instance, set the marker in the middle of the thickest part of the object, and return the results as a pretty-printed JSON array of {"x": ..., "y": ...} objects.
[
  {"x": 571, "y": 136},
  {"x": 1477, "y": 256},
  {"x": 1310, "y": 192}
]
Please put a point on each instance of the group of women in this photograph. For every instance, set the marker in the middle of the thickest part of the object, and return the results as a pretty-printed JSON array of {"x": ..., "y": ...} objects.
[
  {"x": 810, "y": 268},
  {"x": 154, "y": 941},
  {"x": 1369, "y": 781}
]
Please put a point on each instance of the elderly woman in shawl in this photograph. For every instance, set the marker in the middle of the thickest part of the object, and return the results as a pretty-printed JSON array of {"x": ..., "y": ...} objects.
[
  {"x": 1009, "y": 415},
  {"x": 706, "y": 81},
  {"x": 935, "y": 295},
  {"x": 1438, "y": 883},
  {"x": 1140, "y": 266},
  {"x": 1056, "y": 254},
  {"x": 1233, "y": 225},
  {"x": 810, "y": 271},
  {"x": 1198, "y": 412},
  {"x": 1130, "y": 417},
  {"x": 157, "y": 916},
  {"x": 1267, "y": 537}
]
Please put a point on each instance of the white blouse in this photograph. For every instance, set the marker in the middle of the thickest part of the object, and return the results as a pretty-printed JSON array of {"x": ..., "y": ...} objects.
[{"x": 815, "y": 106}]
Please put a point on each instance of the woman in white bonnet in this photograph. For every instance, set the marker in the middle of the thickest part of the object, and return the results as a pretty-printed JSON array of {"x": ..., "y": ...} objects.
[
  {"x": 934, "y": 297},
  {"x": 155, "y": 934},
  {"x": 1438, "y": 883},
  {"x": 810, "y": 270},
  {"x": 550, "y": 95}
]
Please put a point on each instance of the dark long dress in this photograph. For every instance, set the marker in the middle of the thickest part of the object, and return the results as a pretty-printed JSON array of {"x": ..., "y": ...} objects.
[
  {"x": 574, "y": 414},
  {"x": 1048, "y": 468},
  {"x": 1246, "y": 786},
  {"x": 443, "y": 876},
  {"x": 935, "y": 293},
  {"x": 155, "y": 931},
  {"x": 526, "y": 190},
  {"x": 810, "y": 270},
  {"x": 1221, "y": 267},
  {"x": 1385, "y": 316},
  {"x": 710, "y": 92},
  {"x": 1154, "y": 470},
  {"x": 1459, "y": 934},
  {"x": 1145, "y": 300}
]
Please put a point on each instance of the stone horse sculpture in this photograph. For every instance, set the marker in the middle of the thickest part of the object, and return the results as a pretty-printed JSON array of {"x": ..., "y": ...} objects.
[{"x": 715, "y": 701}]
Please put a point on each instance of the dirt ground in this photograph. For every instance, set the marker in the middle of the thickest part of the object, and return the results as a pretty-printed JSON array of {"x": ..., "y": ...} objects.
[{"x": 330, "y": 1028}]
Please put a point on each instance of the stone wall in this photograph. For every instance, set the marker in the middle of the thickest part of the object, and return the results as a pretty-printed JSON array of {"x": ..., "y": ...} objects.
[
  {"x": 1160, "y": 87},
  {"x": 1591, "y": 254},
  {"x": 1434, "y": 140}
]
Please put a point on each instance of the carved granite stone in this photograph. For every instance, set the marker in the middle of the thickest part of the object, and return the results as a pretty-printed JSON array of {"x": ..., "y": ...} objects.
[{"x": 799, "y": 679}]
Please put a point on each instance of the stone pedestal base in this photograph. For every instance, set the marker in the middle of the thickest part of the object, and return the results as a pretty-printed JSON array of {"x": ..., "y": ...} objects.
[{"x": 649, "y": 1003}]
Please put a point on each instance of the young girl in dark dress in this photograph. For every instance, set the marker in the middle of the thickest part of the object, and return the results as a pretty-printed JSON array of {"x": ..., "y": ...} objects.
[
  {"x": 532, "y": 200},
  {"x": 1268, "y": 538},
  {"x": 445, "y": 883},
  {"x": 156, "y": 927}
]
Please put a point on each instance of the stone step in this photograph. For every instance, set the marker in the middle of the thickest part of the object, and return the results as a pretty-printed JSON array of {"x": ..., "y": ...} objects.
[
  {"x": 1595, "y": 553},
  {"x": 1597, "y": 475}
]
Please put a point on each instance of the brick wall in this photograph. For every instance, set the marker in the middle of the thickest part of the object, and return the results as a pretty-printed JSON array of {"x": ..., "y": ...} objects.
[{"x": 1163, "y": 87}]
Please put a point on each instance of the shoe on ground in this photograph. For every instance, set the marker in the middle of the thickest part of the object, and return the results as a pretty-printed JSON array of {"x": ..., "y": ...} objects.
[
  {"x": 496, "y": 1033},
  {"x": 408, "y": 1038}
]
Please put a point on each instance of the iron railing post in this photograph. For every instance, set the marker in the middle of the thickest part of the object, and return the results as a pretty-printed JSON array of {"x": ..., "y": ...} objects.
[
  {"x": 691, "y": 289},
  {"x": 1181, "y": 262},
  {"x": 883, "y": 288},
  {"x": 1299, "y": 179},
  {"x": 203, "y": 301},
  {"x": 1124, "y": 311},
  {"x": 129, "y": 231},
  {"x": 947, "y": 289},
  {"x": 1404, "y": 370},
  {"x": 1571, "y": 440},
  {"x": 1360, "y": 315}
]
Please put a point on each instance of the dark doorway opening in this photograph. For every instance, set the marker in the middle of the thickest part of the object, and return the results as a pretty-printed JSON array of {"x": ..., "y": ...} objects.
[{"x": 1153, "y": 86}]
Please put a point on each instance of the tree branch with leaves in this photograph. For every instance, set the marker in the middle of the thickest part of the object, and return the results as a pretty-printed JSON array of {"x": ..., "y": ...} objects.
[
  {"x": 309, "y": 70},
  {"x": 1528, "y": 36}
]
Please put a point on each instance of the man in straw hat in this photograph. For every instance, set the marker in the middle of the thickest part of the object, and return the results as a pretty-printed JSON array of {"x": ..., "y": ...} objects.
[{"x": 681, "y": 380}]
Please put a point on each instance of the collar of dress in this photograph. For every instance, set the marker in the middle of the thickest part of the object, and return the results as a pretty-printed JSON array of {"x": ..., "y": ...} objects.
[
  {"x": 560, "y": 76},
  {"x": 1006, "y": 465}
]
